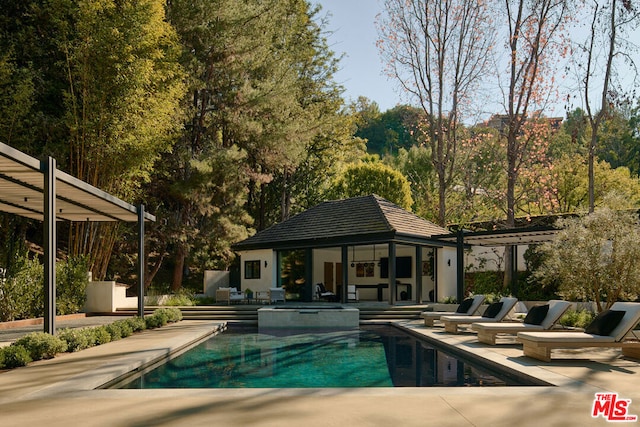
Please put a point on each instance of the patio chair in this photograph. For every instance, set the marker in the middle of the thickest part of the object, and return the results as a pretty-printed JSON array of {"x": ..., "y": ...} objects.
[
  {"x": 276, "y": 294},
  {"x": 495, "y": 312},
  {"x": 323, "y": 294},
  {"x": 352, "y": 293},
  {"x": 608, "y": 329},
  {"x": 468, "y": 307},
  {"x": 229, "y": 295},
  {"x": 539, "y": 318}
]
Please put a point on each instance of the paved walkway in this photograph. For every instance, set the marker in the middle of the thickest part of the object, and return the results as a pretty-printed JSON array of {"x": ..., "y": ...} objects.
[{"x": 61, "y": 391}]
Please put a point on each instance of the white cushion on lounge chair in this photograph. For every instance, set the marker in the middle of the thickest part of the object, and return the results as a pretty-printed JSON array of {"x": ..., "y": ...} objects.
[
  {"x": 539, "y": 344},
  {"x": 430, "y": 316},
  {"x": 451, "y": 322},
  {"x": 487, "y": 331}
]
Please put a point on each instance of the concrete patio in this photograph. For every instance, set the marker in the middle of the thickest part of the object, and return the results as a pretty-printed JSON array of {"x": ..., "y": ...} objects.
[{"x": 61, "y": 391}]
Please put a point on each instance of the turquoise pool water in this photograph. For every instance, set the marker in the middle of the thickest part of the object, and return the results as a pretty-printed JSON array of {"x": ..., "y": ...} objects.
[{"x": 371, "y": 357}]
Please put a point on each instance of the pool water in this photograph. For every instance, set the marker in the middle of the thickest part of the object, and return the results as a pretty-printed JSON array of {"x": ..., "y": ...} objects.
[{"x": 378, "y": 356}]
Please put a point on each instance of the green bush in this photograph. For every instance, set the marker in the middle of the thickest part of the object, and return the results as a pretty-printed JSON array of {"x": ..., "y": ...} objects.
[
  {"x": 22, "y": 292},
  {"x": 72, "y": 278},
  {"x": 14, "y": 356},
  {"x": 137, "y": 323},
  {"x": 576, "y": 318},
  {"x": 114, "y": 330},
  {"x": 76, "y": 339},
  {"x": 41, "y": 345},
  {"x": 100, "y": 335},
  {"x": 126, "y": 329},
  {"x": 182, "y": 298}
]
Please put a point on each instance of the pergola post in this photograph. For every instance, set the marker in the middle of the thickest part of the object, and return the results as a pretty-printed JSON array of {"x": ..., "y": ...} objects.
[
  {"x": 460, "y": 265},
  {"x": 344, "y": 258},
  {"x": 141, "y": 274},
  {"x": 48, "y": 167},
  {"x": 392, "y": 273},
  {"x": 418, "y": 272}
]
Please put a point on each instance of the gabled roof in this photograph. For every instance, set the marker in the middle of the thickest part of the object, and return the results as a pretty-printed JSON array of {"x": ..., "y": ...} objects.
[{"x": 357, "y": 220}]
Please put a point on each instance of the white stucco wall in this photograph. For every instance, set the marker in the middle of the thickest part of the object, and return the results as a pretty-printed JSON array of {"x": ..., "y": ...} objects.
[
  {"x": 481, "y": 258},
  {"x": 268, "y": 270},
  {"x": 107, "y": 297}
]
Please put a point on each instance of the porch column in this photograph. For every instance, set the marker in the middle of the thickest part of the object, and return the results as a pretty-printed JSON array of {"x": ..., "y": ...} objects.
[
  {"x": 308, "y": 287},
  {"x": 418, "y": 297},
  {"x": 392, "y": 273},
  {"x": 48, "y": 167},
  {"x": 344, "y": 255}
]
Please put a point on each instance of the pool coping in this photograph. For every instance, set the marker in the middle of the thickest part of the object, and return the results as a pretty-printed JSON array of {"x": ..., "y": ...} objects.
[{"x": 75, "y": 373}]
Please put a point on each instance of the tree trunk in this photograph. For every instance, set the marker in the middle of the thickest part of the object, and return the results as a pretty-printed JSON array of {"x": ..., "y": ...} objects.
[{"x": 178, "y": 269}]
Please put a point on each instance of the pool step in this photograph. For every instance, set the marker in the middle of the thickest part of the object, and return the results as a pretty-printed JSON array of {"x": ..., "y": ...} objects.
[{"x": 248, "y": 314}]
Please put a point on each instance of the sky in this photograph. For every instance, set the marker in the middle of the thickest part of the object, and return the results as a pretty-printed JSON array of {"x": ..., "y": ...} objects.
[{"x": 354, "y": 34}]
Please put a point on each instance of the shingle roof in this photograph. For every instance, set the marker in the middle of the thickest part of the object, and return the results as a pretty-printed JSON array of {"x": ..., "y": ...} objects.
[{"x": 349, "y": 221}]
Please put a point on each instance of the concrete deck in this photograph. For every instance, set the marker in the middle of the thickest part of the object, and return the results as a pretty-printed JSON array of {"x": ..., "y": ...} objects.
[{"x": 61, "y": 391}]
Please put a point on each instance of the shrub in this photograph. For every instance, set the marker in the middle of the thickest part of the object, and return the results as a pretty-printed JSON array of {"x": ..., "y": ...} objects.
[
  {"x": 22, "y": 292},
  {"x": 576, "y": 318},
  {"x": 136, "y": 323},
  {"x": 14, "y": 356},
  {"x": 180, "y": 299},
  {"x": 114, "y": 330},
  {"x": 125, "y": 327},
  {"x": 76, "y": 339},
  {"x": 72, "y": 278},
  {"x": 41, "y": 345},
  {"x": 100, "y": 335}
]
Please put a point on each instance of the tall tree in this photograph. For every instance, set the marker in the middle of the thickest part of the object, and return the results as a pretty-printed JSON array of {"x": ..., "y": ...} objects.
[
  {"x": 609, "y": 22},
  {"x": 106, "y": 88},
  {"x": 533, "y": 30},
  {"x": 437, "y": 51}
]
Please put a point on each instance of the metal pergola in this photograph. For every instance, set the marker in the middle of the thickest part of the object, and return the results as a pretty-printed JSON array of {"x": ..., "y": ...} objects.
[
  {"x": 492, "y": 238},
  {"x": 38, "y": 190}
]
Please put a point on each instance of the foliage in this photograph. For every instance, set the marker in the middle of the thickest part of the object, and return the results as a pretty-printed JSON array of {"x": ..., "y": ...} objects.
[
  {"x": 41, "y": 345},
  {"x": 163, "y": 316},
  {"x": 14, "y": 356},
  {"x": 594, "y": 258},
  {"x": 72, "y": 278},
  {"x": 363, "y": 179},
  {"x": 22, "y": 293},
  {"x": 99, "y": 335},
  {"x": 76, "y": 338},
  {"x": 576, "y": 318}
]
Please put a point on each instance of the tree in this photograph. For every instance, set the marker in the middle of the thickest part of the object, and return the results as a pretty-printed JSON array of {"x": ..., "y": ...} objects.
[
  {"x": 99, "y": 85},
  {"x": 616, "y": 18},
  {"x": 437, "y": 51},
  {"x": 594, "y": 257},
  {"x": 533, "y": 28},
  {"x": 362, "y": 179}
]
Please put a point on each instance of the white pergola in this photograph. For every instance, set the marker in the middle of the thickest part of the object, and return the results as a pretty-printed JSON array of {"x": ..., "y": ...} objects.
[{"x": 38, "y": 190}]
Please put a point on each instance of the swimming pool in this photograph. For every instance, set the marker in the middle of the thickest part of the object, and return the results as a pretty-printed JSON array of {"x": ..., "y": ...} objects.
[{"x": 374, "y": 356}]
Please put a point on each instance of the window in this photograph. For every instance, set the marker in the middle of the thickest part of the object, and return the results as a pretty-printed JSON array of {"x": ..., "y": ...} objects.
[{"x": 252, "y": 269}]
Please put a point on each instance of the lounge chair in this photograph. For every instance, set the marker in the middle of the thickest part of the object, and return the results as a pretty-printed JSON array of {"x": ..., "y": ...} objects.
[
  {"x": 323, "y": 294},
  {"x": 539, "y": 344},
  {"x": 540, "y": 318},
  {"x": 468, "y": 307},
  {"x": 495, "y": 312}
]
